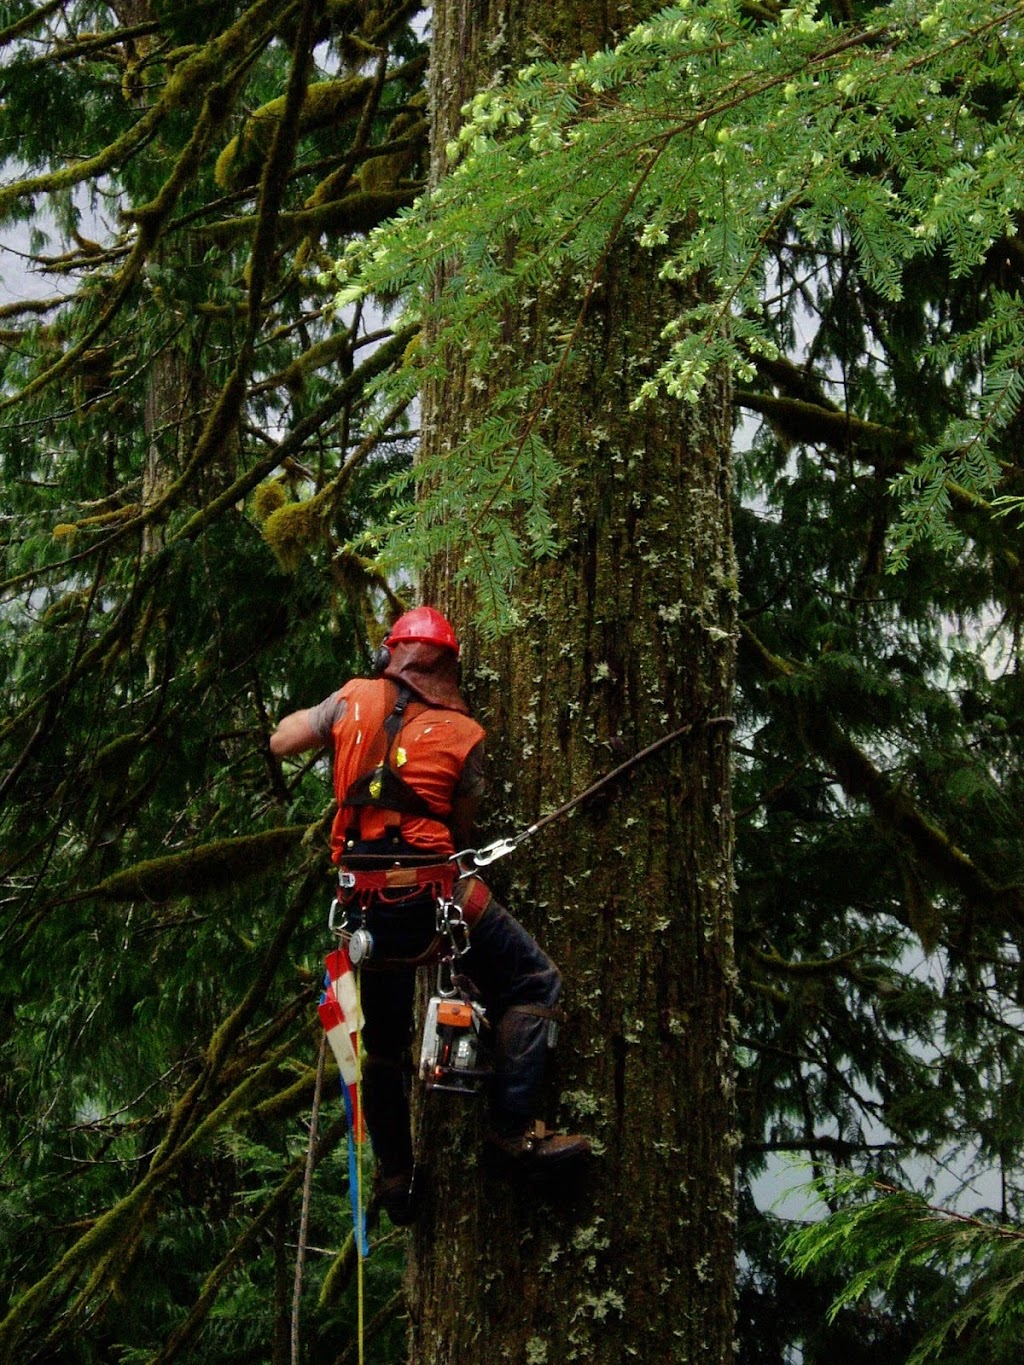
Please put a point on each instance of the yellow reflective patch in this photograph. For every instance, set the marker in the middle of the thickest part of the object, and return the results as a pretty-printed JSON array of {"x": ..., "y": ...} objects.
[{"x": 400, "y": 757}]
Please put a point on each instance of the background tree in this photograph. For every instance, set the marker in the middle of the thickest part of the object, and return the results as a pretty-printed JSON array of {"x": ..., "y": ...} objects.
[{"x": 180, "y": 421}]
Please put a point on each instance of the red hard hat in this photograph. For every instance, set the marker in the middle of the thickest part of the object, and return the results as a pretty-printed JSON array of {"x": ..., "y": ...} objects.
[{"x": 424, "y": 624}]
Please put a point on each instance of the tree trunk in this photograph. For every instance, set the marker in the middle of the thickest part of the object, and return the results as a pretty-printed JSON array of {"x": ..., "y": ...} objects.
[{"x": 626, "y": 635}]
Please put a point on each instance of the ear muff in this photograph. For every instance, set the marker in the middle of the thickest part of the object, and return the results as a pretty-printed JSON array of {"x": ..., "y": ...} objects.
[{"x": 381, "y": 659}]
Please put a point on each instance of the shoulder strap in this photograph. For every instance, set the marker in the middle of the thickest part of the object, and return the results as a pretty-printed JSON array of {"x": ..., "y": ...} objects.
[{"x": 378, "y": 784}]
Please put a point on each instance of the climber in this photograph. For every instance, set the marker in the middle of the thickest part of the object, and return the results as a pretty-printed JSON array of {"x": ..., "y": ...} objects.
[{"x": 408, "y": 775}]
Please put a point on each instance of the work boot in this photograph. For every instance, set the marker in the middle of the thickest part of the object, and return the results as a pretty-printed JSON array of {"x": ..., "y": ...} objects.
[
  {"x": 537, "y": 1148},
  {"x": 396, "y": 1195}
]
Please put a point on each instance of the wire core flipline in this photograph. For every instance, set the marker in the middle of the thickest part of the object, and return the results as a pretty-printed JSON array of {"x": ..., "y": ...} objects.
[{"x": 472, "y": 858}]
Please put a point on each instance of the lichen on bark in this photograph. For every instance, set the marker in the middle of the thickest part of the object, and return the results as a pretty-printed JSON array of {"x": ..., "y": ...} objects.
[{"x": 625, "y": 632}]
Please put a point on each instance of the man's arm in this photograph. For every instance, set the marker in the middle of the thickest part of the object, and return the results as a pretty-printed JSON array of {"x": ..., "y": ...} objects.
[
  {"x": 461, "y": 821},
  {"x": 294, "y": 735},
  {"x": 466, "y": 798}
]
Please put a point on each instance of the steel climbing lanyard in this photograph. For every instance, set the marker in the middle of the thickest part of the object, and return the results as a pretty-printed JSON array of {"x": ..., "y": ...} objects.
[{"x": 472, "y": 859}]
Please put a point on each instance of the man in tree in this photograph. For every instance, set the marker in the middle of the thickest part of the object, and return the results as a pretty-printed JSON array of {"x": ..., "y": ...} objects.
[{"x": 408, "y": 774}]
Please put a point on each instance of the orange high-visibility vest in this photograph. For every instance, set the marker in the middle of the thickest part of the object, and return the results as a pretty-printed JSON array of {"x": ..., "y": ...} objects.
[{"x": 427, "y": 754}]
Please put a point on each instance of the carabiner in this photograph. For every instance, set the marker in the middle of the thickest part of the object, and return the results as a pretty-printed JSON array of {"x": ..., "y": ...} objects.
[
  {"x": 472, "y": 858},
  {"x": 333, "y": 928}
]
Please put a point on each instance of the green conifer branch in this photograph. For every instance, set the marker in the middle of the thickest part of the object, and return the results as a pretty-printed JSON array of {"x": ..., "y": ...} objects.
[
  {"x": 881, "y": 1231},
  {"x": 184, "y": 1335},
  {"x": 187, "y": 1111},
  {"x": 826, "y": 966},
  {"x": 292, "y": 444},
  {"x": 110, "y": 1226},
  {"x": 186, "y": 81},
  {"x": 888, "y": 801},
  {"x": 29, "y": 21},
  {"x": 151, "y": 218}
]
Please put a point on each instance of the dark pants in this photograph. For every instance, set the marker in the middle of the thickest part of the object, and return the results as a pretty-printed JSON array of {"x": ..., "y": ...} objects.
[{"x": 511, "y": 974}]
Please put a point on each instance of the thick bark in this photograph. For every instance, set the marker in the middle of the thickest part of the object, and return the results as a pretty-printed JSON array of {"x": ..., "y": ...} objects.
[{"x": 627, "y": 634}]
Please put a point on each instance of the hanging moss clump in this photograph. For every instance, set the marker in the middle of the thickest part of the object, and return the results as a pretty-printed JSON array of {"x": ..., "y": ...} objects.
[
  {"x": 268, "y": 498},
  {"x": 196, "y": 871},
  {"x": 292, "y": 530}
]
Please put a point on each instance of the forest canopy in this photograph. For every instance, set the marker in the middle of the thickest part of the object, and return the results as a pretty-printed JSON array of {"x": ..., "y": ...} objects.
[
  {"x": 211, "y": 504},
  {"x": 745, "y": 154}
]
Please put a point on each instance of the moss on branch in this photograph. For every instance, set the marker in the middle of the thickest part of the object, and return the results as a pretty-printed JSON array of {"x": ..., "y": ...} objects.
[
  {"x": 326, "y": 102},
  {"x": 302, "y": 432},
  {"x": 198, "y": 870},
  {"x": 357, "y": 212},
  {"x": 797, "y": 420},
  {"x": 187, "y": 84}
]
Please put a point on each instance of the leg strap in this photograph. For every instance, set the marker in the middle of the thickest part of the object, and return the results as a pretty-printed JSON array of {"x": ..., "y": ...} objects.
[
  {"x": 472, "y": 896},
  {"x": 430, "y": 955},
  {"x": 541, "y": 1011}
]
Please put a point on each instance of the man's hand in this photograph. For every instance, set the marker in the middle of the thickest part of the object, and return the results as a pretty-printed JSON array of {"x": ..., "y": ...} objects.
[{"x": 294, "y": 735}]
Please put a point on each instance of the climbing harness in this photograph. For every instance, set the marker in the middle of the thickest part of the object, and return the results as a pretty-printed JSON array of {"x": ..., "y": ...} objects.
[
  {"x": 378, "y": 783},
  {"x": 361, "y": 884},
  {"x": 464, "y": 896},
  {"x": 398, "y": 754}
]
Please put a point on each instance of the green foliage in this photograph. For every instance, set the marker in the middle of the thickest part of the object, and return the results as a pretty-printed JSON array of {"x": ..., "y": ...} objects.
[
  {"x": 716, "y": 143},
  {"x": 162, "y": 879},
  {"x": 886, "y": 1232}
]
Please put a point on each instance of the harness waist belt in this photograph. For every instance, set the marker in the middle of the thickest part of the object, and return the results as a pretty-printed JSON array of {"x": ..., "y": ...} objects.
[{"x": 441, "y": 875}]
